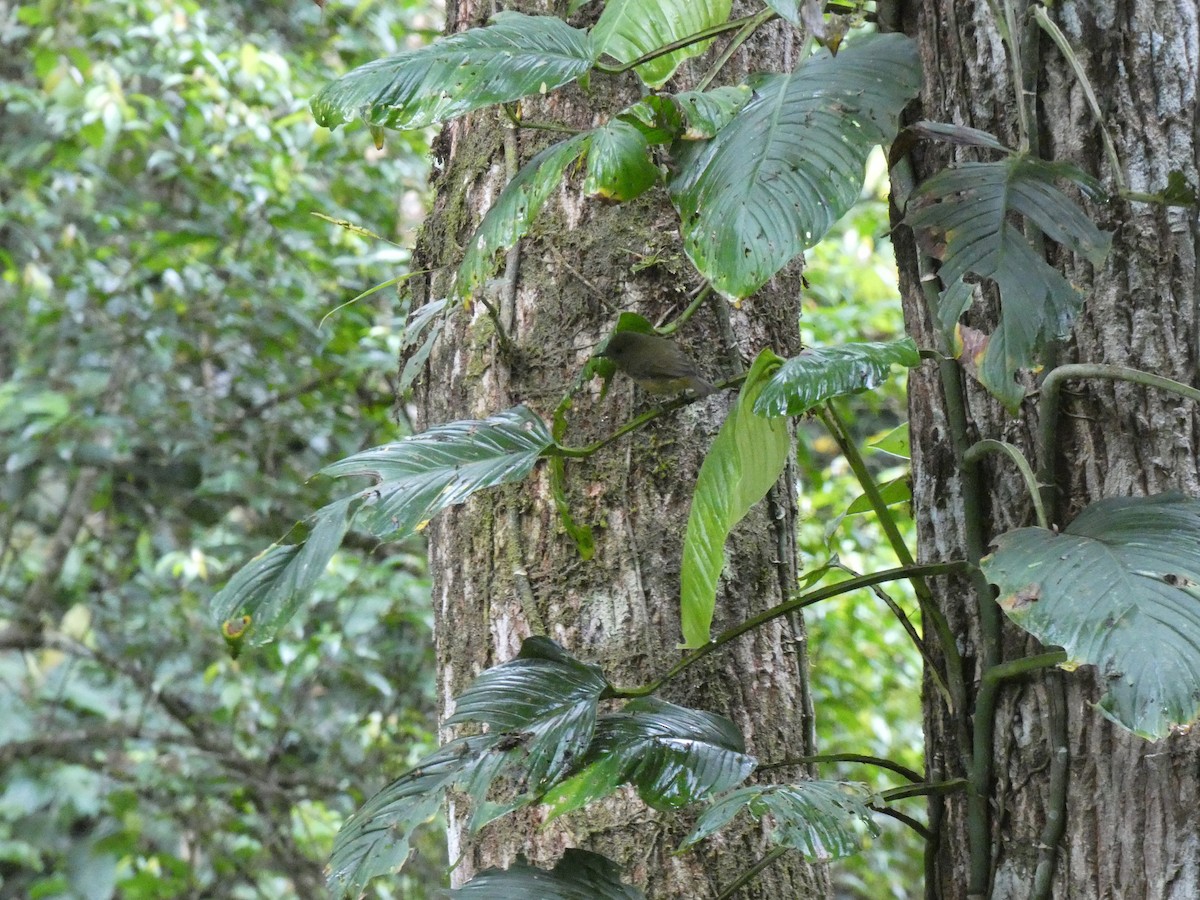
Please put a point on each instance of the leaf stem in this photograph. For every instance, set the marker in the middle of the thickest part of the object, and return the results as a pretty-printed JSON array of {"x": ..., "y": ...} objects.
[
  {"x": 753, "y": 872},
  {"x": 1049, "y": 26},
  {"x": 841, "y": 435},
  {"x": 978, "y": 450},
  {"x": 750, "y": 25},
  {"x": 669, "y": 48},
  {"x": 785, "y": 608},
  {"x": 1051, "y": 401},
  {"x": 925, "y": 833},
  {"x": 882, "y": 763},
  {"x": 636, "y": 423},
  {"x": 950, "y": 786},
  {"x": 701, "y": 295}
]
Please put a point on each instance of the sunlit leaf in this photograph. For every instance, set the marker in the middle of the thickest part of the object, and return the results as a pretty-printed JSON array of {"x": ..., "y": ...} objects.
[
  {"x": 629, "y": 29},
  {"x": 513, "y": 57},
  {"x": 822, "y": 373},
  {"x": 893, "y": 493},
  {"x": 545, "y": 696},
  {"x": 421, "y": 475},
  {"x": 896, "y": 442},
  {"x": 674, "y": 756},
  {"x": 1119, "y": 589},
  {"x": 966, "y": 215},
  {"x": 579, "y": 875},
  {"x": 746, "y": 458},
  {"x": 791, "y": 162},
  {"x": 509, "y": 218},
  {"x": 822, "y": 819}
]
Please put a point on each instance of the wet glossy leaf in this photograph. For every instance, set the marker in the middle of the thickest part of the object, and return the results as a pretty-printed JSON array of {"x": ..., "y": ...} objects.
[
  {"x": 1119, "y": 589},
  {"x": 545, "y": 696},
  {"x": 674, "y": 756},
  {"x": 791, "y": 162},
  {"x": 516, "y": 55},
  {"x": 818, "y": 374},
  {"x": 579, "y": 875},
  {"x": 375, "y": 840},
  {"x": 707, "y": 112},
  {"x": 618, "y": 164},
  {"x": 628, "y": 29},
  {"x": 270, "y": 588},
  {"x": 822, "y": 819},
  {"x": 421, "y": 475},
  {"x": 509, "y": 218}
]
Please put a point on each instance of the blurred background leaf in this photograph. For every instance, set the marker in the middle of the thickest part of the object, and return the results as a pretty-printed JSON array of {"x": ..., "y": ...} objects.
[{"x": 167, "y": 388}]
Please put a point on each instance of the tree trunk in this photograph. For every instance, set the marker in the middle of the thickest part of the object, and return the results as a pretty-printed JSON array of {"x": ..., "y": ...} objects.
[
  {"x": 503, "y": 567},
  {"x": 1132, "y": 815}
]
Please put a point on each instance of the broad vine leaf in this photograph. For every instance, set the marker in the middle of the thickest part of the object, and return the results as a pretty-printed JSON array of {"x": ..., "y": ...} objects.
[
  {"x": 822, "y": 373},
  {"x": 1119, "y": 589},
  {"x": 746, "y": 458},
  {"x": 618, "y": 164},
  {"x": 822, "y": 819},
  {"x": 579, "y": 875},
  {"x": 270, "y": 588},
  {"x": 966, "y": 215},
  {"x": 658, "y": 117},
  {"x": 707, "y": 112},
  {"x": 421, "y": 475},
  {"x": 545, "y": 696},
  {"x": 672, "y": 755},
  {"x": 628, "y": 29},
  {"x": 509, "y": 218},
  {"x": 791, "y": 162},
  {"x": 513, "y": 57},
  {"x": 376, "y": 839}
]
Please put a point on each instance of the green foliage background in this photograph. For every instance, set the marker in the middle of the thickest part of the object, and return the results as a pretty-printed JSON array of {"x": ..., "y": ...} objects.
[{"x": 168, "y": 387}]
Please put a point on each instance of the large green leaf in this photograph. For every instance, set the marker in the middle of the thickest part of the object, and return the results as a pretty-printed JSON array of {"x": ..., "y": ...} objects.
[
  {"x": 619, "y": 165},
  {"x": 628, "y": 29},
  {"x": 509, "y": 218},
  {"x": 423, "y": 474},
  {"x": 1118, "y": 589},
  {"x": 746, "y": 458},
  {"x": 674, "y": 756},
  {"x": 579, "y": 875},
  {"x": 270, "y": 587},
  {"x": 968, "y": 212},
  {"x": 791, "y": 162},
  {"x": 375, "y": 840},
  {"x": 516, "y": 55},
  {"x": 822, "y": 373},
  {"x": 707, "y": 112},
  {"x": 546, "y": 696},
  {"x": 822, "y": 819}
]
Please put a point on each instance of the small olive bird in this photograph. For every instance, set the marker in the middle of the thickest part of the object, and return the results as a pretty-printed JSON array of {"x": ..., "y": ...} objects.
[{"x": 655, "y": 363}]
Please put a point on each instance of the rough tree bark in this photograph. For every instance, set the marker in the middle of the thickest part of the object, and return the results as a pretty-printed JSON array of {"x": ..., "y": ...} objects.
[
  {"x": 1132, "y": 812},
  {"x": 502, "y": 567}
]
